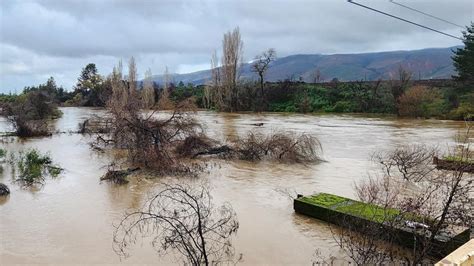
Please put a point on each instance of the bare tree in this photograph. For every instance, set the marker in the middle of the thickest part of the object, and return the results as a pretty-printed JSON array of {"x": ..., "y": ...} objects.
[
  {"x": 213, "y": 93},
  {"x": 149, "y": 141},
  {"x": 366, "y": 245},
  {"x": 165, "y": 102},
  {"x": 232, "y": 49},
  {"x": 414, "y": 194},
  {"x": 282, "y": 147},
  {"x": 399, "y": 86},
  {"x": 317, "y": 78},
  {"x": 160, "y": 143},
  {"x": 148, "y": 92},
  {"x": 411, "y": 161},
  {"x": 183, "y": 219},
  {"x": 166, "y": 143},
  {"x": 260, "y": 67},
  {"x": 371, "y": 243}
]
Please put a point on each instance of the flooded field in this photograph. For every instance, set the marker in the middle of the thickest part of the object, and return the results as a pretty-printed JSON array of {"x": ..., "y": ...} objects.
[{"x": 71, "y": 218}]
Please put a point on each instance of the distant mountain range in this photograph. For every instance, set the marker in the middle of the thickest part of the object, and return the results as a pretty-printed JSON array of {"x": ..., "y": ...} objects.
[{"x": 433, "y": 63}]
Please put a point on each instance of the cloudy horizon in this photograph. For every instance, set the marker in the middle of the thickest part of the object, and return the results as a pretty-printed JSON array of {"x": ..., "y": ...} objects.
[{"x": 58, "y": 38}]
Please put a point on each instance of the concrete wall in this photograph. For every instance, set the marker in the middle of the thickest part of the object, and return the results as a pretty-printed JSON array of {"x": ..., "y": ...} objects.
[{"x": 463, "y": 256}]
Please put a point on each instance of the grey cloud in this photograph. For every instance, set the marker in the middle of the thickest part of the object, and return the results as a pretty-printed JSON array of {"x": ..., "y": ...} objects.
[{"x": 58, "y": 37}]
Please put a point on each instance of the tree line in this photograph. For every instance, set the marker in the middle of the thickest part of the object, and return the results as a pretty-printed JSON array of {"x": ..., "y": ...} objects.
[{"x": 227, "y": 91}]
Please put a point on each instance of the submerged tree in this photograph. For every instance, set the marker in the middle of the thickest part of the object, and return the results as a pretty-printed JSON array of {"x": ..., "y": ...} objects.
[
  {"x": 412, "y": 193},
  {"x": 167, "y": 143},
  {"x": 182, "y": 219},
  {"x": 149, "y": 141},
  {"x": 32, "y": 167},
  {"x": 29, "y": 112},
  {"x": 283, "y": 147}
]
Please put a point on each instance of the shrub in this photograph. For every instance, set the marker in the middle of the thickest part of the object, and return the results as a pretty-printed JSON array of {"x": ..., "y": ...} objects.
[
  {"x": 283, "y": 107},
  {"x": 4, "y": 190},
  {"x": 465, "y": 110},
  {"x": 33, "y": 167},
  {"x": 30, "y": 111},
  {"x": 342, "y": 107},
  {"x": 284, "y": 147},
  {"x": 420, "y": 101}
]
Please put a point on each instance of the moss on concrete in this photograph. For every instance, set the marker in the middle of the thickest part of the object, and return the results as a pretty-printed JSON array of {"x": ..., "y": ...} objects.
[{"x": 348, "y": 206}]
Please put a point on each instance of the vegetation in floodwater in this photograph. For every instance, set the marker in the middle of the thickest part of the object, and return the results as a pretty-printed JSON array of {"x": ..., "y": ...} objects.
[
  {"x": 30, "y": 111},
  {"x": 184, "y": 219},
  {"x": 3, "y": 154},
  {"x": 33, "y": 167},
  {"x": 4, "y": 190},
  {"x": 118, "y": 176},
  {"x": 168, "y": 145}
]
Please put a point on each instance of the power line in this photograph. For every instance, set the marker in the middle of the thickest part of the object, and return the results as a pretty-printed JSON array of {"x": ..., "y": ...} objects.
[
  {"x": 426, "y": 14},
  {"x": 405, "y": 20}
]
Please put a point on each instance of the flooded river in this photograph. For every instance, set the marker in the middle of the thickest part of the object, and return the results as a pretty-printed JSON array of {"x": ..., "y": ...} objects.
[{"x": 70, "y": 219}]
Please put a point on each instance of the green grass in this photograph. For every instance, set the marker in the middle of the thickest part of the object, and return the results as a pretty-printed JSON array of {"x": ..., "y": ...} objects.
[
  {"x": 360, "y": 209},
  {"x": 356, "y": 208},
  {"x": 458, "y": 159},
  {"x": 324, "y": 199},
  {"x": 369, "y": 211}
]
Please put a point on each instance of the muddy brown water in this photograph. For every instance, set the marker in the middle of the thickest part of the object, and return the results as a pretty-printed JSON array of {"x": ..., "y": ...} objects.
[{"x": 70, "y": 219}]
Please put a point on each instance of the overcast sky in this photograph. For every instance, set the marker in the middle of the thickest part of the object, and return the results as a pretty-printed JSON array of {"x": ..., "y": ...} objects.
[{"x": 58, "y": 38}]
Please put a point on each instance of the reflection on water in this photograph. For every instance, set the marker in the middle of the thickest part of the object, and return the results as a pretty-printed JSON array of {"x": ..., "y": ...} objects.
[{"x": 71, "y": 218}]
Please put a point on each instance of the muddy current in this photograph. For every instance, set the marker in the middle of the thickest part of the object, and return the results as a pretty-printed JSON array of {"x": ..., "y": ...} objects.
[{"x": 71, "y": 218}]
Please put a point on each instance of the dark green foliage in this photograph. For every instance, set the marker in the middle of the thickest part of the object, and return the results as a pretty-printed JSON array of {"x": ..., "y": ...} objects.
[
  {"x": 462, "y": 102},
  {"x": 33, "y": 167},
  {"x": 465, "y": 111},
  {"x": 29, "y": 111},
  {"x": 7, "y": 98},
  {"x": 91, "y": 88},
  {"x": 56, "y": 94},
  {"x": 4, "y": 190},
  {"x": 344, "y": 97},
  {"x": 464, "y": 57},
  {"x": 88, "y": 79},
  {"x": 182, "y": 92},
  {"x": 446, "y": 99}
]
